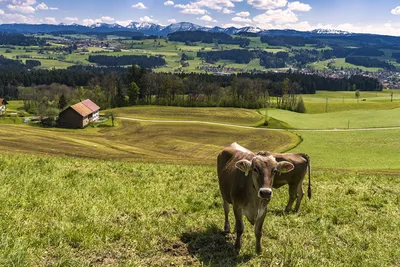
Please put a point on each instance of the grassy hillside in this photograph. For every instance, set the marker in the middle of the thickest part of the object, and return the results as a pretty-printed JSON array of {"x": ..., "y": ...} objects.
[
  {"x": 70, "y": 211},
  {"x": 221, "y": 115},
  {"x": 140, "y": 141}
]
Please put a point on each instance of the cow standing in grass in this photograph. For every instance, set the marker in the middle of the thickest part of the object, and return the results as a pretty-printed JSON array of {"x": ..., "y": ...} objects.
[
  {"x": 246, "y": 181},
  {"x": 295, "y": 178}
]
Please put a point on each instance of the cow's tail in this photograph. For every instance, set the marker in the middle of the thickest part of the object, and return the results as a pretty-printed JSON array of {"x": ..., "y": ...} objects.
[{"x": 305, "y": 156}]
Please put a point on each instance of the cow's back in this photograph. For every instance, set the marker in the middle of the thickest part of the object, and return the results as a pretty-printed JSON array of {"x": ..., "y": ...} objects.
[{"x": 299, "y": 161}]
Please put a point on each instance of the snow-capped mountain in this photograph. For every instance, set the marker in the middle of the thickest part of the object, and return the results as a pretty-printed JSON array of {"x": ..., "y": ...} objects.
[
  {"x": 156, "y": 29},
  {"x": 146, "y": 27},
  {"x": 182, "y": 26},
  {"x": 330, "y": 32},
  {"x": 251, "y": 29}
]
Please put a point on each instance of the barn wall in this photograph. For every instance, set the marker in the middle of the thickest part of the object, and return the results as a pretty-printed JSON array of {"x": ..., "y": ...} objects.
[{"x": 69, "y": 118}]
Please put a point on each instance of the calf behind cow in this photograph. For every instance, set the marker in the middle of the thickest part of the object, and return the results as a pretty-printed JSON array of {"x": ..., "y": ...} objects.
[{"x": 246, "y": 180}]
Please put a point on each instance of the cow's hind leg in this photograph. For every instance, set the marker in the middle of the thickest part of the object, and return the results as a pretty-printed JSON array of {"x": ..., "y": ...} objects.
[
  {"x": 227, "y": 226},
  {"x": 300, "y": 194},
  {"x": 239, "y": 226},
  {"x": 292, "y": 196}
]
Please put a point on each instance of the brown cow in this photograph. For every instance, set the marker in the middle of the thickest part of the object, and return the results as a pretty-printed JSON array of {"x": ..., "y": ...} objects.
[
  {"x": 295, "y": 178},
  {"x": 245, "y": 181}
]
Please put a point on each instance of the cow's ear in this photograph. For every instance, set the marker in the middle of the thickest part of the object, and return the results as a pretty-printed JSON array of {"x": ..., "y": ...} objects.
[
  {"x": 284, "y": 167},
  {"x": 244, "y": 165}
]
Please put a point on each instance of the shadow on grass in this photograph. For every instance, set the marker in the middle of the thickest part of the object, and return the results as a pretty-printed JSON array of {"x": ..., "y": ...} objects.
[{"x": 213, "y": 247}]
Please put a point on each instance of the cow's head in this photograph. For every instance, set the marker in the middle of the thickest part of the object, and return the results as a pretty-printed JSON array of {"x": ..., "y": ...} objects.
[{"x": 262, "y": 169}]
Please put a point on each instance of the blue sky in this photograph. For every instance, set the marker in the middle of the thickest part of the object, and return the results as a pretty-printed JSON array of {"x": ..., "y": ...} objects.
[{"x": 370, "y": 16}]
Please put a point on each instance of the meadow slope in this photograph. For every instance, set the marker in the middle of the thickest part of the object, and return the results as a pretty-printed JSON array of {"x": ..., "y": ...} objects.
[{"x": 80, "y": 212}]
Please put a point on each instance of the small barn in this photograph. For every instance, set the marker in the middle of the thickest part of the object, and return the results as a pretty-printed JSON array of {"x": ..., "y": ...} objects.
[{"x": 79, "y": 115}]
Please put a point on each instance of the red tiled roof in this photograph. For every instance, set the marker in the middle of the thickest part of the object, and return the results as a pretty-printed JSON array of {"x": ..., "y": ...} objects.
[
  {"x": 82, "y": 109},
  {"x": 91, "y": 105}
]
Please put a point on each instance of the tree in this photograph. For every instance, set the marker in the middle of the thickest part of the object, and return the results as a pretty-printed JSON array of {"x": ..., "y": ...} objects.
[
  {"x": 133, "y": 93},
  {"x": 110, "y": 114},
  {"x": 62, "y": 102},
  {"x": 357, "y": 94}
]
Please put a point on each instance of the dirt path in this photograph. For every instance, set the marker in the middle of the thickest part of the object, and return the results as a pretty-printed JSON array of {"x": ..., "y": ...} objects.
[{"x": 266, "y": 129}]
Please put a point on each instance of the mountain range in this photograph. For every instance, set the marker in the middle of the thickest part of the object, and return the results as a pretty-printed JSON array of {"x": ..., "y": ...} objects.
[{"x": 156, "y": 29}]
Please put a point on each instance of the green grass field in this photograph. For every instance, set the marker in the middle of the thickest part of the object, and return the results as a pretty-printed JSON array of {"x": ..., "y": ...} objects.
[
  {"x": 72, "y": 211},
  {"x": 339, "y": 63},
  {"x": 146, "y": 193}
]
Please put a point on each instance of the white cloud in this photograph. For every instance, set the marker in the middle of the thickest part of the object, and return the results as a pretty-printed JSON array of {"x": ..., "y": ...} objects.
[
  {"x": 107, "y": 19},
  {"x": 147, "y": 19},
  {"x": 2, "y": 12},
  {"x": 22, "y": 8},
  {"x": 276, "y": 17},
  {"x": 172, "y": 20},
  {"x": 207, "y": 18},
  {"x": 42, "y": 6},
  {"x": 199, "y": 7},
  {"x": 190, "y": 9},
  {"x": 71, "y": 19},
  {"x": 243, "y": 14},
  {"x": 240, "y": 19},
  {"x": 229, "y": 25},
  {"x": 267, "y": 4},
  {"x": 88, "y": 22},
  {"x": 297, "y": 6},
  {"x": 227, "y": 11},
  {"x": 53, "y": 8},
  {"x": 19, "y": 18},
  {"x": 168, "y": 3},
  {"x": 50, "y": 20},
  {"x": 124, "y": 22},
  {"x": 396, "y": 10},
  {"x": 139, "y": 5}
]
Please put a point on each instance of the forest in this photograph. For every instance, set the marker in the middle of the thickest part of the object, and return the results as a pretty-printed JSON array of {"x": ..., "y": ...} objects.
[
  {"x": 207, "y": 37},
  {"x": 370, "y": 62},
  {"x": 119, "y": 87},
  {"x": 20, "y": 39}
]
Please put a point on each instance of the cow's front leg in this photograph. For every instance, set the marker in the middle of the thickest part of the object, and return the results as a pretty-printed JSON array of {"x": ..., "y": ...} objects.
[
  {"x": 258, "y": 228},
  {"x": 238, "y": 226},
  {"x": 227, "y": 227}
]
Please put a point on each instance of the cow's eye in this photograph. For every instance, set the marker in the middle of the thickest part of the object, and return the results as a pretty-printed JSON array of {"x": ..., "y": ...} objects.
[
  {"x": 255, "y": 169},
  {"x": 274, "y": 170}
]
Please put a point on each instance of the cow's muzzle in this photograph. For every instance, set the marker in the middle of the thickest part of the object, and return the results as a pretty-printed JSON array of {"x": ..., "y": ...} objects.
[{"x": 265, "y": 193}]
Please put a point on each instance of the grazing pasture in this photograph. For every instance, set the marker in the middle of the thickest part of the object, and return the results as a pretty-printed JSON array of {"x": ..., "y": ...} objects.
[
  {"x": 146, "y": 193},
  {"x": 74, "y": 211}
]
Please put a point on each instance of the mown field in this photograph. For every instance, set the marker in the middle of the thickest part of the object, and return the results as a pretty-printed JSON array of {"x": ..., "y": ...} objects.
[{"x": 146, "y": 193}]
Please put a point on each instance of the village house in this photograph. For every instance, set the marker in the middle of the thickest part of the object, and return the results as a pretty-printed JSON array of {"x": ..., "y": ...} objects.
[
  {"x": 79, "y": 115},
  {"x": 3, "y": 107}
]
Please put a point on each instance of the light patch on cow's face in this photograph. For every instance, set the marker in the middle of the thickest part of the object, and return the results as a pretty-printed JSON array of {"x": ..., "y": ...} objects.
[{"x": 263, "y": 172}]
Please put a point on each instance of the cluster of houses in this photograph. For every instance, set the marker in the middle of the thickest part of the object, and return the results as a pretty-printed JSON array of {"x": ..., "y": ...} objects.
[{"x": 79, "y": 115}]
